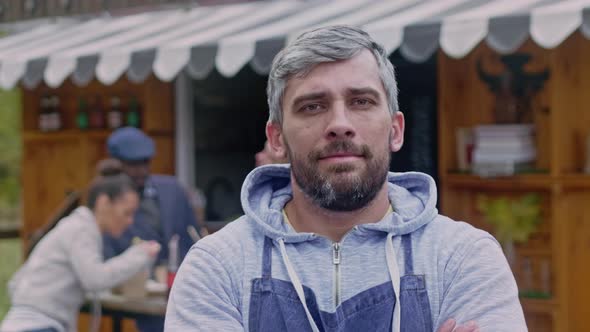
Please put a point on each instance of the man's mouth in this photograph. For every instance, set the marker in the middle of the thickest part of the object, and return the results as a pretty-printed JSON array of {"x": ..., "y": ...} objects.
[
  {"x": 342, "y": 151},
  {"x": 341, "y": 157}
]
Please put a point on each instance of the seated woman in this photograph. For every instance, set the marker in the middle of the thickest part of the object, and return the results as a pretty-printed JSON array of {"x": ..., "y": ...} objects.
[{"x": 48, "y": 290}]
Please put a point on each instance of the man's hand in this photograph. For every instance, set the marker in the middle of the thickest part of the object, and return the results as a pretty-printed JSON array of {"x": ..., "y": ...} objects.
[{"x": 449, "y": 326}]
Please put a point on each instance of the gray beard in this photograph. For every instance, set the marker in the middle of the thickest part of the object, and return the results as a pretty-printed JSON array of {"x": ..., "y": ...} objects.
[{"x": 351, "y": 192}]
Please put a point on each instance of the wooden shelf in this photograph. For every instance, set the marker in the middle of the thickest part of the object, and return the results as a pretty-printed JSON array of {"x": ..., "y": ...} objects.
[
  {"x": 547, "y": 252},
  {"x": 575, "y": 181},
  {"x": 517, "y": 182},
  {"x": 538, "y": 305},
  {"x": 65, "y": 134},
  {"x": 31, "y": 135}
]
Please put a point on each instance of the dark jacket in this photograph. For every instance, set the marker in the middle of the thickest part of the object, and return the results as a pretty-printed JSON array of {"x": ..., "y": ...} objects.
[{"x": 176, "y": 214}]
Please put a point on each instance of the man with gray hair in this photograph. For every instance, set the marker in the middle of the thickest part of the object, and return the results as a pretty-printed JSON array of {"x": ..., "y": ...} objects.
[{"x": 333, "y": 241}]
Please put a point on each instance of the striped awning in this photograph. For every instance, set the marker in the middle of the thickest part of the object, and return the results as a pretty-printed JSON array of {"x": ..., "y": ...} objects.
[{"x": 229, "y": 37}]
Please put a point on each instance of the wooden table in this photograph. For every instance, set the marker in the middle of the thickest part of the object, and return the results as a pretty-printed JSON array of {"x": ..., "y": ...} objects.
[{"x": 119, "y": 307}]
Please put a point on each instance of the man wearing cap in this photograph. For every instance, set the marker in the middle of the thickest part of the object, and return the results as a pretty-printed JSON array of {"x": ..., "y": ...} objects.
[{"x": 164, "y": 209}]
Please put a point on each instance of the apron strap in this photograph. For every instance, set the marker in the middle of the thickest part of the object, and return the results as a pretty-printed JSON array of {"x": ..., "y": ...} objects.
[
  {"x": 297, "y": 285},
  {"x": 408, "y": 259},
  {"x": 267, "y": 258},
  {"x": 394, "y": 274}
]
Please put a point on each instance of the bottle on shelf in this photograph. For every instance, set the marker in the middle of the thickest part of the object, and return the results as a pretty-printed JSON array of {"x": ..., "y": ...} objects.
[
  {"x": 82, "y": 114},
  {"x": 97, "y": 120},
  {"x": 54, "y": 114},
  {"x": 115, "y": 115},
  {"x": 44, "y": 115},
  {"x": 133, "y": 114}
]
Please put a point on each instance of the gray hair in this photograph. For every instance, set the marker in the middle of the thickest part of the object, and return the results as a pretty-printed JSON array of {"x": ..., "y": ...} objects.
[{"x": 322, "y": 45}]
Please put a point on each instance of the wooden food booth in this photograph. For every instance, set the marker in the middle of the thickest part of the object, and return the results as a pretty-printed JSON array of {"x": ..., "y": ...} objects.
[
  {"x": 562, "y": 123},
  {"x": 59, "y": 162},
  {"x": 553, "y": 259}
]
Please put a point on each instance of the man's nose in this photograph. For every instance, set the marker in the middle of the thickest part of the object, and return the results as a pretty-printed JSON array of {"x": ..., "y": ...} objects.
[{"x": 340, "y": 124}]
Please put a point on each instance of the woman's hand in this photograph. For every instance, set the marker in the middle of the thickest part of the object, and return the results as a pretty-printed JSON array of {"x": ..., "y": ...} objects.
[{"x": 152, "y": 248}]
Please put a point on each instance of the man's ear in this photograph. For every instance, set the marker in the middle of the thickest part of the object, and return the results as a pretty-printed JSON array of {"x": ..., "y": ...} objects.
[
  {"x": 274, "y": 135},
  {"x": 397, "y": 134}
]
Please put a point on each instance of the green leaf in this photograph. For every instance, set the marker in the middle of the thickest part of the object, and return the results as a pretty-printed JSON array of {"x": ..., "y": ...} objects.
[{"x": 513, "y": 219}]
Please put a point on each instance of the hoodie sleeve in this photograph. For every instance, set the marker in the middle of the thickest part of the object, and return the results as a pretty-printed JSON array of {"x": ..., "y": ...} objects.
[
  {"x": 479, "y": 286},
  {"x": 94, "y": 273},
  {"x": 15, "y": 280},
  {"x": 202, "y": 297}
]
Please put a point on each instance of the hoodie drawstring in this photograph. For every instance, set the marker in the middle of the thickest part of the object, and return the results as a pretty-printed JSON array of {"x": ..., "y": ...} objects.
[
  {"x": 297, "y": 284},
  {"x": 395, "y": 281}
]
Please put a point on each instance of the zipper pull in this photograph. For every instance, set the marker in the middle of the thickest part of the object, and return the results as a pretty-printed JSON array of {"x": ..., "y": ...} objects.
[{"x": 336, "y": 253}]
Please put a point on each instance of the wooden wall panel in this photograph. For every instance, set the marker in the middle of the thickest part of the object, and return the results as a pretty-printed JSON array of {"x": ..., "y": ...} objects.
[
  {"x": 50, "y": 169},
  {"x": 571, "y": 106},
  {"x": 158, "y": 105},
  {"x": 539, "y": 323},
  {"x": 576, "y": 218},
  {"x": 164, "y": 160},
  {"x": 463, "y": 101},
  {"x": 96, "y": 150}
]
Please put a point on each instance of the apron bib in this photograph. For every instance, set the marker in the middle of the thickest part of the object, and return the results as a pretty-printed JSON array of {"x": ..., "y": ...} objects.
[{"x": 275, "y": 306}]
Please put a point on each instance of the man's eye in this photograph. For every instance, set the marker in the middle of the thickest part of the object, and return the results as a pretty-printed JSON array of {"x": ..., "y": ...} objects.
[
  {"x": 311, "y": 108},
  {"x": 362, "y": 102}
]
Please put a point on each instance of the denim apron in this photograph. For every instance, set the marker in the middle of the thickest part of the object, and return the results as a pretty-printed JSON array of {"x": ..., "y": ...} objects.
[{"x": 275, "y": 305}]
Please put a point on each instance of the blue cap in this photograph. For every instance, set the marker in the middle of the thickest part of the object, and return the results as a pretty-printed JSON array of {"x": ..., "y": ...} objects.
[{"x": 130, "y": 144}]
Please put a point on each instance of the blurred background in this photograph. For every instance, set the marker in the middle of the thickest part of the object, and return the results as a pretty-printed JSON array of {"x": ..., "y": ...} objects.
[{"x": 493, "y": 91}]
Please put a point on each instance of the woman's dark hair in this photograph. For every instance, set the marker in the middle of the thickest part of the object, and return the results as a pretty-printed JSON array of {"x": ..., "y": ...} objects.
[{"x": 110, "y": 181}]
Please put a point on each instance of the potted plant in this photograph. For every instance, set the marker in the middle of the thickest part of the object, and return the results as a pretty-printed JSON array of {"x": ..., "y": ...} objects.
[{"x": 513, "y": 219}]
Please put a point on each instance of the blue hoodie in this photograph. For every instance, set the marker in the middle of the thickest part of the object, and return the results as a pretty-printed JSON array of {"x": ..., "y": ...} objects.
[{"x": 466, "y": 274}]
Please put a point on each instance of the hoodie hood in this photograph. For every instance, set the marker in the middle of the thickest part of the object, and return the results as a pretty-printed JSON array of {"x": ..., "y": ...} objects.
[{"x": 268, "y": 188}]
